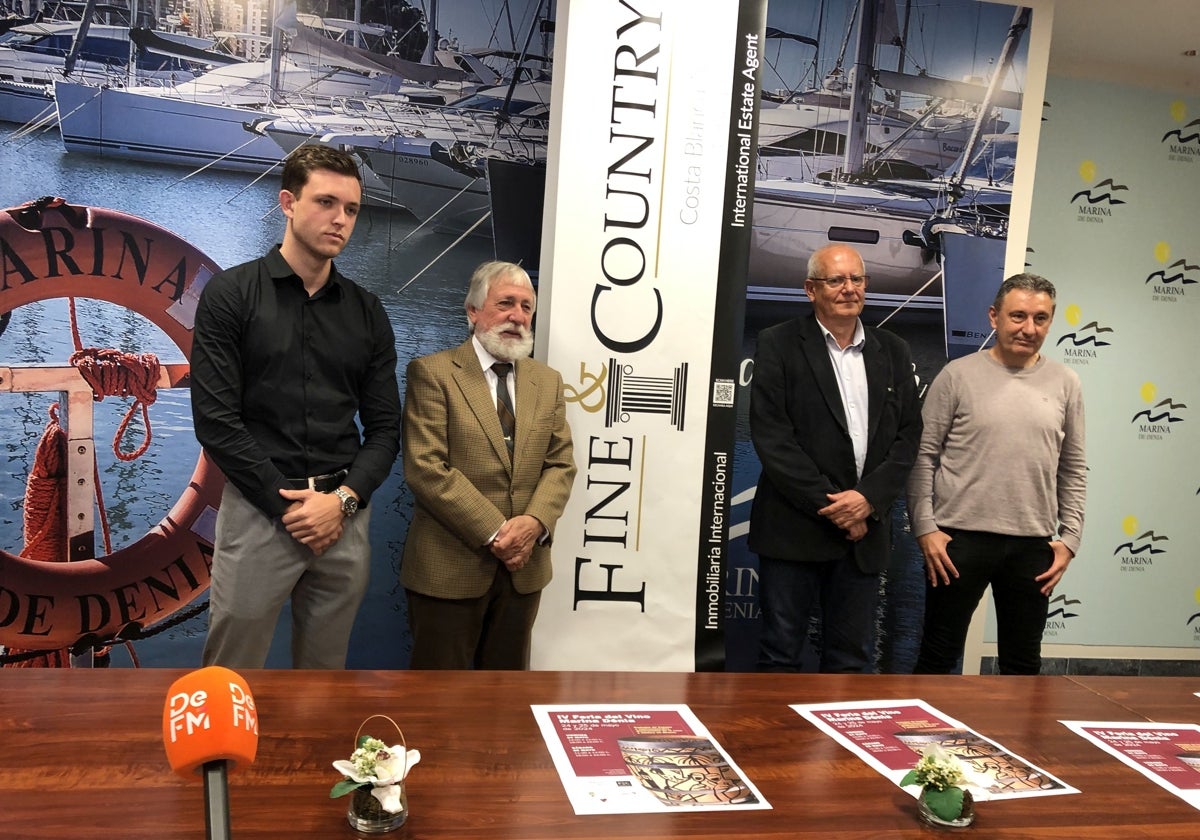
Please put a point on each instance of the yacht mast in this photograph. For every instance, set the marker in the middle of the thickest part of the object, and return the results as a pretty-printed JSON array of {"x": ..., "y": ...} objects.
[
  {"x": 276, "y": 49},
  {"x": 860, "y": 88},
  {"x": 131, "y": 58},
  {"x": 534, "y": 23},
  {"x": 1016, "y": 30},
  {"x": 80, "y": 35},
  {"x": 431, "y": 19}
]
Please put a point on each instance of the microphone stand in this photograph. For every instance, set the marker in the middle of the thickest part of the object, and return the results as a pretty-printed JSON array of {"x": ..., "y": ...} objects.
[{"x": 216, "y": 800}]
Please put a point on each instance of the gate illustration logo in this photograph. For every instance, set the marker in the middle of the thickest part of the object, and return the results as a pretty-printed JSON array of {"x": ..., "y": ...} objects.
[
  {"x": 1083, "y": 342},
  {"x": 1138, "y": 553},
  {"x": 1169, "y": 282},
  {"x": 621, "y": 392},
  {"x": 1156, "y": 422},
  {"x": 1096, "y": 203},
  {"x": 1183, "y": 141},
  {"x": 635, "y": 392},
  {"x": 1062, "y": 609}
]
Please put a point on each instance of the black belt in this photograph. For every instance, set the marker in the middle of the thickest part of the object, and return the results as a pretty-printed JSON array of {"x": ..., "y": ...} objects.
[{"x": 321, "y": 483}]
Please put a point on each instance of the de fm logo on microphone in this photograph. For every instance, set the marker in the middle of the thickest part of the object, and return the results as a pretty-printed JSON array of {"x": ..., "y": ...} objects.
[{"x": 209, "y": 716}]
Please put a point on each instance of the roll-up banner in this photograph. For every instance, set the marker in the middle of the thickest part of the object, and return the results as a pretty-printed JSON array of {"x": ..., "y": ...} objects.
[{"x": 645, "y": 243}]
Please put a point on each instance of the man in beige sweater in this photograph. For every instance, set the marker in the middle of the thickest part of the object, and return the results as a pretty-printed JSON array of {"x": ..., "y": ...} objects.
[{"x": 997, "y": 492}]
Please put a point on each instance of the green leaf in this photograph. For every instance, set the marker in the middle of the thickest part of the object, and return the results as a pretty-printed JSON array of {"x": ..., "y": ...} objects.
[
  {"x": 947, "y": 803},
  {"x": 910, "y": 778},
  {"x": 343, "y": 787}
]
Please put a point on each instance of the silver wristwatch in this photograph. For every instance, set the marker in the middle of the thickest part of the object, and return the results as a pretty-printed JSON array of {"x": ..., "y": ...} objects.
[{"x": 349, "y": 503}]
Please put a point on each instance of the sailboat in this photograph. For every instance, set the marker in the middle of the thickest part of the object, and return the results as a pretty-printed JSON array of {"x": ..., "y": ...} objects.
[
  {"x": 33, "y": 55},
  {"x": 891, "y": 220},
  {"x": 837, "y": 164},
  {"x": 803, "y": 132},
  {"x": 420, "y": 157},
  {"x": 203, "y": 122},
  {"x": 416, "y": 157}
]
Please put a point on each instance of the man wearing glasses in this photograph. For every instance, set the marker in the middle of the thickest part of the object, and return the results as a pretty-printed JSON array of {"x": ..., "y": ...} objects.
[{"x": 835, "y": 420}]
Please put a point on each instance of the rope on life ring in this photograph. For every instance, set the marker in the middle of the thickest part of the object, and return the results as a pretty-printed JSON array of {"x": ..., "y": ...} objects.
[
  {"x": 45, "y": 527},
  {"x": 112, "y": 372},
  {"x": 115, "y": 373}
]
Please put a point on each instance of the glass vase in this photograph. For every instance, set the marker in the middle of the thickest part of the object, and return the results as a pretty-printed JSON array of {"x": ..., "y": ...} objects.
[
  {"x": 367, "y": 815},
  {"x": 965, "y": 817}
]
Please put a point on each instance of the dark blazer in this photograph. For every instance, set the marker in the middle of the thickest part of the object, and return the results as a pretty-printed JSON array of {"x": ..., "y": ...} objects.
[
  {"x": 798, "y": 427},
  {"x": 465, "y": 482}
]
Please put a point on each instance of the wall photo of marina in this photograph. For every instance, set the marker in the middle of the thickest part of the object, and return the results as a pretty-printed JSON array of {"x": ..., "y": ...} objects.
[
  {"x": 914, "y": 168},
  {"x": 446, "y": 103},
  {"x": 189, "y": 173}
]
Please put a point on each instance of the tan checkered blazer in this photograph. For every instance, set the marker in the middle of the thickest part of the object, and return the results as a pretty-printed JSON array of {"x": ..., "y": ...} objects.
[{"x": 465, "y": 484}]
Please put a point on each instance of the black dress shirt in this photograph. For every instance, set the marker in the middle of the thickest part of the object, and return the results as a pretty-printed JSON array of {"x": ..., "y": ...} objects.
[{"x": 278, "y": 377}]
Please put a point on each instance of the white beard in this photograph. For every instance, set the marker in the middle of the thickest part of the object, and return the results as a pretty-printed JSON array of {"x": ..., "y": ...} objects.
[{"x": 507, "y": 349}]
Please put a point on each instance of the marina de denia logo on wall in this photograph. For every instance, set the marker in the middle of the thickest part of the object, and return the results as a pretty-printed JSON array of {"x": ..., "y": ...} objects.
[
  {"x": 1083, "y": 342},
  {"x": 1062, "y": 610},
  {"x": 1194, "y": 620},
  {"x": 1095, "y": 202},
  {"x": 1182, "y": 141},
  {"x": 1156, "y": 421},
  {"x": 1141, "y": 548},
  {"x": 1170, "y": 281}
]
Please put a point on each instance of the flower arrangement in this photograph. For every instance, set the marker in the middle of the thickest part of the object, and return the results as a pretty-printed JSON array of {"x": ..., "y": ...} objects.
[
  {"x": 942, "y": 778},
  {"x": 377, "y": 768}
]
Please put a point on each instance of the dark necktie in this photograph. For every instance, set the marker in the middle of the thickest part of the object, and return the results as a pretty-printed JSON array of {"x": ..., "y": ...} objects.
[{"x": 504, "y": 406}]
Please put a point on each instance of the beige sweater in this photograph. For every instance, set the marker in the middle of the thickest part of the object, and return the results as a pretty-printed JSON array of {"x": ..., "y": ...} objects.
[{"x": 1002, "y": 451}]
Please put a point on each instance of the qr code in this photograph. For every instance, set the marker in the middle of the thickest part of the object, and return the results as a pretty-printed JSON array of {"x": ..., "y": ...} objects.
[{"x": 723, "y": 392}]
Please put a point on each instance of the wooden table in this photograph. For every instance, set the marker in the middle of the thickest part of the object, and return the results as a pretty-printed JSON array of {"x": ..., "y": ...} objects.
[
  {"x": 1174, "y": 700},
  {"x": 81, "y": 755}
]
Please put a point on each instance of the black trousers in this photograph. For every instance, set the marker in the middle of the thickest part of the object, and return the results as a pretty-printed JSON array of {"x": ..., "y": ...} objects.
[
  {"x": 792, "y": 591},
  {"x": 1009, "y": 564}
]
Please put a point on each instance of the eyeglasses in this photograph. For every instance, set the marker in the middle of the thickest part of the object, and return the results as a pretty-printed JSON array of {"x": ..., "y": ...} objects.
[{"x": 855, "y": 280}]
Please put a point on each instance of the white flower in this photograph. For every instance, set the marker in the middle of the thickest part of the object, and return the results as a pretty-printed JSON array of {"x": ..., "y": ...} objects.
[
  {"x": 376, "y": 767},
  {"x": 386, "y": 767},
  {"x": 389, "y": 798},
  {"x": 396, "y": 765}
]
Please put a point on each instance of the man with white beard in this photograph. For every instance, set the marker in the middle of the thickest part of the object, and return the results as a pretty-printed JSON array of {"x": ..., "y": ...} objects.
[{"x": 488, "y": 456}]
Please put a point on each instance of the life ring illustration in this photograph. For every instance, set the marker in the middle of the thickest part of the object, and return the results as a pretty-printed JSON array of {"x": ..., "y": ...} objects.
[{"x": 52, "y": 249}]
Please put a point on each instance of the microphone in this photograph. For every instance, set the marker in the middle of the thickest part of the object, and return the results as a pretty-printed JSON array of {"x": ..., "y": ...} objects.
[{"x": 210, "y": 726}]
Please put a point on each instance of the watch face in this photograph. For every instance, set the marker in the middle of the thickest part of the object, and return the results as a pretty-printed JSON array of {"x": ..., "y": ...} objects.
[{"x": 349, "y": 503}]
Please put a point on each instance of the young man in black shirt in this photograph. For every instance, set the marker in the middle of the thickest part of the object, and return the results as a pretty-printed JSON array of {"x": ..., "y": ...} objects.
[{"x": 286, "y": 352}]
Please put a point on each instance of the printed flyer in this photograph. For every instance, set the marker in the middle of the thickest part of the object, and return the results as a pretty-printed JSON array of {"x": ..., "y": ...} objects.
[
  {"x": 891, "y": 735},
  {"x": 1168, "y": 754},
  {"x": 627, "y": 759}
]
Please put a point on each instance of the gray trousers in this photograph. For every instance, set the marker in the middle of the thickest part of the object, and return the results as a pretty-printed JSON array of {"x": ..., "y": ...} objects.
[{"x": 258, "y": 566}]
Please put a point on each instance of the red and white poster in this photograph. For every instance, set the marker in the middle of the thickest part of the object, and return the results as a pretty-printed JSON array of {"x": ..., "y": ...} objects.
[
  {"x": 891, "y": 735},
  {"x": 1167, "y": 754},
  {"x": 629, "y": 759}
]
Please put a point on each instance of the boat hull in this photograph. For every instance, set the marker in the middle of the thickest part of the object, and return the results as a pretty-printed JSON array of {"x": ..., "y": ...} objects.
[
  {"x": 161, "y": 129},
  {"x": 25, "y": 103},
  {"x": 400, "y": 171},
  {"x": 788, "y": 229}
]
